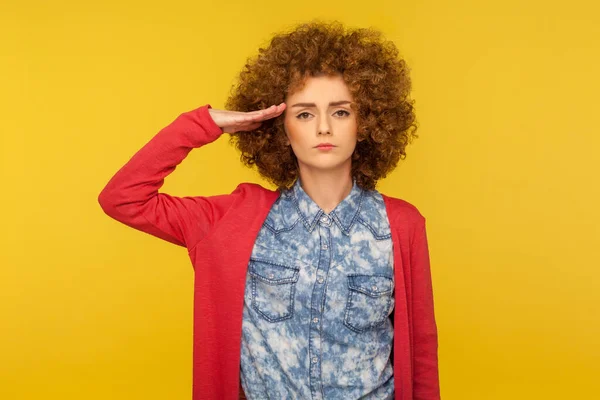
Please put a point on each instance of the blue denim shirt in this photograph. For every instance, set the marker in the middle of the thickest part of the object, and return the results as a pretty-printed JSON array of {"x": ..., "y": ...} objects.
[{"x": 318, "y": 299}]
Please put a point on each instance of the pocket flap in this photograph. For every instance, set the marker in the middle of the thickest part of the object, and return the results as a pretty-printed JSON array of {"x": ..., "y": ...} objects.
[
  {"x": 273, "y": 272},
  {"x": 371, "y": 285}
]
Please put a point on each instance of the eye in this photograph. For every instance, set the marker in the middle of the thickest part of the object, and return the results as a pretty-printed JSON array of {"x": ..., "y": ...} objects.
[
  {"x": 300, "y": 116},
  {"x": 344, "y": 113}
]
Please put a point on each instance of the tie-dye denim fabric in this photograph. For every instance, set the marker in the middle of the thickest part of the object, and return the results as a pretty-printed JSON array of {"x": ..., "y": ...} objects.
[{"x": 319, "y": 294}]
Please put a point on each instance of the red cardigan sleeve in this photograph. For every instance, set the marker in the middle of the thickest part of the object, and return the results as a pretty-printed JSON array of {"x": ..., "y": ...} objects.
[
  {"x": 425, "y": 368},
  {"x": 131, "y": 196}
]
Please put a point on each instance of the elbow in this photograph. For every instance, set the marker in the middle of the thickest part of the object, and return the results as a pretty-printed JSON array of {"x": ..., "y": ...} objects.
[{"x": 106, "y": 202}]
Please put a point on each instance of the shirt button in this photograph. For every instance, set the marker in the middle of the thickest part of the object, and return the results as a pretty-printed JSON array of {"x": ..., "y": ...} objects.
[
  {"x": 374, "y": 288},
  {"x": 325, "y": 220},
  {"x": 324, "y": 246},
  {"x": 314, "y": 360},
  {"x": 271, "y": 276},
  {"x": 315, "y": 320},
  {"x": 320, "y": 279}
]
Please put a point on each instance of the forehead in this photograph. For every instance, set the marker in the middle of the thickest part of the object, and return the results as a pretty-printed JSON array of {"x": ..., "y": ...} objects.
[{"x": 320, "y": 88}]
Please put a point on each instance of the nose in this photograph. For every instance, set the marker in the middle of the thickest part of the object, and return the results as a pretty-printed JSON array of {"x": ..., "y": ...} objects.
[{"x": 324, "y": 126}]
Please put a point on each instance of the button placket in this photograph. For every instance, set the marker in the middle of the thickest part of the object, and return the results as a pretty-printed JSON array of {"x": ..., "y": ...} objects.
[{"x": 316, "y": 306}]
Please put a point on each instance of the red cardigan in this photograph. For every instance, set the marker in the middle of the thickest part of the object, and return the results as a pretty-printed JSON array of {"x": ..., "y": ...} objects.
[{"x": 219, "y": 234}]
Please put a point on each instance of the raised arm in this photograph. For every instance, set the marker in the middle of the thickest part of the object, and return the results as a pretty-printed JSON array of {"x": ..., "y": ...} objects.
[{"x": 132, "y": 194}]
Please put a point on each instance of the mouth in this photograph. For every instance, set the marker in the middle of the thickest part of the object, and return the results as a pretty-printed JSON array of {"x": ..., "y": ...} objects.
[{"x": 325, "y": 146}]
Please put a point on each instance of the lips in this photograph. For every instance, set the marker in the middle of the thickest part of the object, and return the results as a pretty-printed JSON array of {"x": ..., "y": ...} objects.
[{"x": 325, "y": 145}]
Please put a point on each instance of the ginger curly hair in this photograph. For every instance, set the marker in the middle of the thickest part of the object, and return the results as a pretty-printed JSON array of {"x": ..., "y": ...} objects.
[{"x": 376, "y": 76}]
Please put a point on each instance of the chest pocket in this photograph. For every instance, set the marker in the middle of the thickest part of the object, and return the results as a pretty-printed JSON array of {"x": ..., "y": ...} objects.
[
  {"x": 370, "y": 301},
  {"x": 273, "y": 288}
]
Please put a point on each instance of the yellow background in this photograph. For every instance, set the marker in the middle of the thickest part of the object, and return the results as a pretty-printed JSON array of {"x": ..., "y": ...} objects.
[{"x": 505, "y": 170}]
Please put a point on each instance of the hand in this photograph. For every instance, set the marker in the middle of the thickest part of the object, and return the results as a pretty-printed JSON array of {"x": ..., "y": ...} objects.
[{"x": 235, "y": 121}]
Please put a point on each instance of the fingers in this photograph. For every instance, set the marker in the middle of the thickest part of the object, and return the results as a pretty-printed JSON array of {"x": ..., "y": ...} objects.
[
  {"x": 267, "y": 113},
  {"x": 253, "y": 119}
]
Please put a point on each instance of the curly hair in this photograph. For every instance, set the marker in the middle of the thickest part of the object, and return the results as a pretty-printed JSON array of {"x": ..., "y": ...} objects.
[{"x": 377, "y": 78}]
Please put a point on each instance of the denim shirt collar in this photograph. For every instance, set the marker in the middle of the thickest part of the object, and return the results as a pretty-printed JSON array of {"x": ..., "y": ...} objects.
[{"x": 344, "y": 214}]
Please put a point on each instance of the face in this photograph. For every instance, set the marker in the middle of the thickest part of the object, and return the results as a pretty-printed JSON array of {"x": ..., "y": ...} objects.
[{"x": 320, "y": 114}]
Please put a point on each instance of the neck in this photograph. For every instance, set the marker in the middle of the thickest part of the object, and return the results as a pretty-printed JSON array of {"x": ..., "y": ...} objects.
[{"x": 326, "y": 189}]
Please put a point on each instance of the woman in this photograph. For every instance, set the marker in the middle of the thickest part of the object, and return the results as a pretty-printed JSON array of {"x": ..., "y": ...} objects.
[{"x": 322, "y": 288}]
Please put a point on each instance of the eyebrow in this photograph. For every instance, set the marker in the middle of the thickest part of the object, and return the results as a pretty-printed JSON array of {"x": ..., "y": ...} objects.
[{"x": 332, "y": 104}]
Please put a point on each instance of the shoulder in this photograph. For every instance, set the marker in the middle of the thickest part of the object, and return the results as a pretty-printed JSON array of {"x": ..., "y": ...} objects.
[
  {"x": 247, "y": 197},
  {"x": 255, "y": 192},
  {"x": 402, "y": 211}
]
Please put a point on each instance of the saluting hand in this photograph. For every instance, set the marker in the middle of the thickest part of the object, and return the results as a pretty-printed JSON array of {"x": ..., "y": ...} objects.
[{"x": 235, "y": 121}]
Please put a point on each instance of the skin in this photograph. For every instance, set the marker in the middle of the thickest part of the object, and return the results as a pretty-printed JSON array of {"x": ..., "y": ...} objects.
[{"x": 318, "y": 113}]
